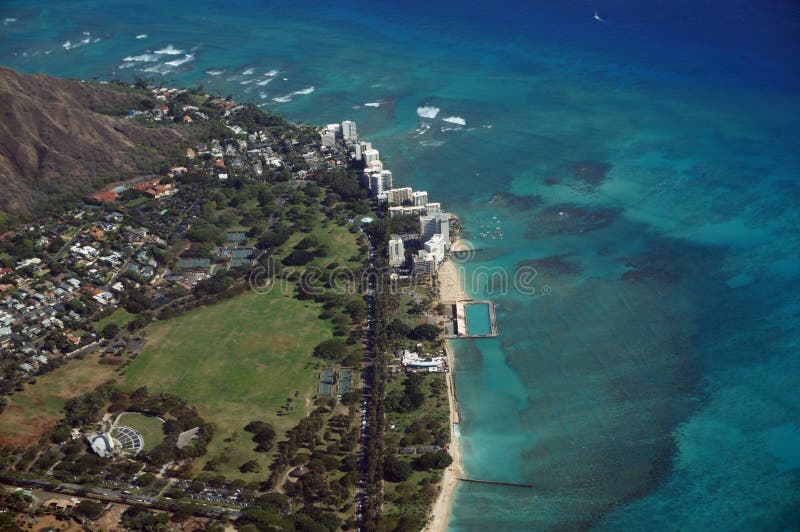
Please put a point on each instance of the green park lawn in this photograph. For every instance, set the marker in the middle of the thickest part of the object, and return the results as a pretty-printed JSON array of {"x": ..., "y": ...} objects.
[
  {"x": 120, "y": 317},
  {"x": 151, "y": 428},
  {"x": 237, "y": 361}
]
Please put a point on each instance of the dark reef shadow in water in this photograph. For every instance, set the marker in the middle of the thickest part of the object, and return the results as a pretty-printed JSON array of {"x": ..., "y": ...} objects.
[{"x": 611, "y": 368}]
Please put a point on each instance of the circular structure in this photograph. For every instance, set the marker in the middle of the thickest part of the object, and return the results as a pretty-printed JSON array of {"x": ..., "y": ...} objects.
[
  {"x": 129, "y": 440},
  {"x": 367, "y": 220}
]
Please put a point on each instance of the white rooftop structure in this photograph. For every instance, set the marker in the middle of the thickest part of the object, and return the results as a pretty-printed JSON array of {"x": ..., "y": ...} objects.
[
  {"x": 420, "y": 198},
  {"x": 349, "y": 130},
  {"x": 102, "y": 444},
  {"x": 435, "y": 246}
]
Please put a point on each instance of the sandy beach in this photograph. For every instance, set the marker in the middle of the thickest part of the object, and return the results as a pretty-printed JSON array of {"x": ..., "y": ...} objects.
[
  {"x": 441, "y": 508},
  {"x": 450, "y": 290}
]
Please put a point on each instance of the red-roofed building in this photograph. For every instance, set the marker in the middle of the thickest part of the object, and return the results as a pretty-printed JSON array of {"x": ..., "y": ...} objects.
[
  {"x": 107, "y": 196},
  {"x": 142, "y": 186}
]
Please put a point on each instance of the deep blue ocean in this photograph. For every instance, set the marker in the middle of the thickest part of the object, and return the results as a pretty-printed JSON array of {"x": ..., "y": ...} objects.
[{"x": 646, "y": 167}]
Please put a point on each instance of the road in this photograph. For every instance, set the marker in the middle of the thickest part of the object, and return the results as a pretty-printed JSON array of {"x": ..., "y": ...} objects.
[{"x": 366, "y": 376}]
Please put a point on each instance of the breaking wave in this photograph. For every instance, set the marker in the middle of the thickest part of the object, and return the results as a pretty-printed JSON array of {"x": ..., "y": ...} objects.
[
  {"x": 169, "y": 50},
  {"x": 427, "y": 111},
  {"x": 455, "y": 120},
  {"x": 179, "y": 62},
  {"x": 143, "y": 58}
]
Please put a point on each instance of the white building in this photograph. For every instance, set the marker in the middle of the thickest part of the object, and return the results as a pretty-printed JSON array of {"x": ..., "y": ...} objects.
[
  {"x": 349, "y": 130},
  {"x": 102, "y": 444},
  {"x": 414, "y": 360},
  {"x": 435, "y": 223},
  {"x": 356, "y": 155},
  {"x": 399, "y": 196},
  {"x": 433, "y": 208},
  {"x": 328, "y": 138},
  {"x": 380, "y": 182},
  {"x": 435, "y": 247},
  {"x": 370, "y": 155},
  {"x": 396, "y": 251},
  {"x": 423, "y": 263},
  {"x": 420, "y": 198}
]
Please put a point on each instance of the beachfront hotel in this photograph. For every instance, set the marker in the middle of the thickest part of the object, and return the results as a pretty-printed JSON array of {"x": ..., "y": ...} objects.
[
  {"x": 349, "y": 130},
  {"x": 436, "y": 223},
  {"x": 399, "y": 196}
]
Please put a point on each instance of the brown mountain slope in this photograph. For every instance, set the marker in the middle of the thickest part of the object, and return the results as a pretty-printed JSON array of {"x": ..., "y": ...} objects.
[{"x": 56, "y": 139}]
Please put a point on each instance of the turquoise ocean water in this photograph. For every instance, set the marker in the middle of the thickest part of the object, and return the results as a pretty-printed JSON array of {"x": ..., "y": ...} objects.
[{"x": 645, "y": 167}]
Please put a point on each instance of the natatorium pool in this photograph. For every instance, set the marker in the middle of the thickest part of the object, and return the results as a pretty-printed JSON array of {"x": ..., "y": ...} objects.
[{"x": 478, "y": 319}]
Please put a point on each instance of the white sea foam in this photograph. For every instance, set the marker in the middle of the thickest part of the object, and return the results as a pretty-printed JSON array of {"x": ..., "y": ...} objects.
[
  {"x": 179, "y": 62},
  {"x": 285, "y": 79},
  {"x": 9, "y": 20},
  {"x": 249, "y": 72},
  {"x": 141, "y": 36},
  {"x": 246, "y": 82},
  {"x": 288, "y": 97},
  {"x": 427, "y": 111},
  {"x": 161, "y": 68},
  {"x": 455, "y": 120},
  {"x": 143, "y": 58},
  {"x": 67, "y": 45},
  {"x": 262, "y": 95},
  {"x": 264, "y": 81},
  {"x": 215, "y": 72},
  {"x": 372, "y": 104},
  {"x": 169, "y": 50},
  {"x": 272, "y": 73},
  {"x": 431, "y": 143},
  {"x": 487, "y": 126}
]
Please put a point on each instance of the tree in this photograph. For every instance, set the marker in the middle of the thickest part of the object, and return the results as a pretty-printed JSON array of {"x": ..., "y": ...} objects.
[
  {"x": 90, "y": 509},
  {"x": 395, "y": 470},
  {"x": 436, "y": 460},
  {"x": 251, "y": 466},
  {"x": 110, "y": 330},
  {"x": 426, "y": 331},
  {"x": 333, "y": 349}
]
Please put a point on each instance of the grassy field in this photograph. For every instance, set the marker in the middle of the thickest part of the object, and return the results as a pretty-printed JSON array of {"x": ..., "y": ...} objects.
[
  {"x": 120, "y": 317},
  {"x": 151, "y": 428},
  {"x": 237, "y": 361},
  {"x": 137, "y": 201},
  {"x": 31, "y": 412}
]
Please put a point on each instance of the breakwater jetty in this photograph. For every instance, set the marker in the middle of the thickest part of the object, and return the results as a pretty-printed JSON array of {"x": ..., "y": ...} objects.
[{"x": 496, "y": 482}]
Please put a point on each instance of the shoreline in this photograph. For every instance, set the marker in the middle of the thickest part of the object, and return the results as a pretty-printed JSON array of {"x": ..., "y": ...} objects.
[{"x": 450, "y": 289}]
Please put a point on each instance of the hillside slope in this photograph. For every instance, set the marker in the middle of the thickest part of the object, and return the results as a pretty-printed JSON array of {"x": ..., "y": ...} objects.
[{"x": 58, "y": 137}]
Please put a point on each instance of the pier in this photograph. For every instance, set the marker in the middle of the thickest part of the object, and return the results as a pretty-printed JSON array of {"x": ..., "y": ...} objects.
[{"x": 496, "y": 483}]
